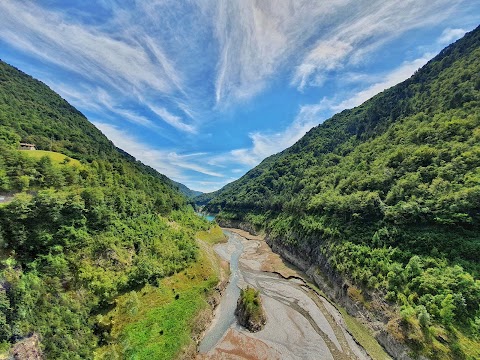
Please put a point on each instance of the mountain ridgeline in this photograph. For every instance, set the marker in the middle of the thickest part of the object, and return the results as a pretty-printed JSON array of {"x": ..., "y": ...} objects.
[
  {"x": 389, "y": 194},
  {"x": 189, "y": 193},
  {"x": 87, "y": 235}
]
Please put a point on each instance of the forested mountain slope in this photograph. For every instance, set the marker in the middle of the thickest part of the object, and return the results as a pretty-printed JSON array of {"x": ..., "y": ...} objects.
[
  {"x": 87, "y": 224},
  {"x": 189, "y": 193},
  {"x": 389, "y": 193}
]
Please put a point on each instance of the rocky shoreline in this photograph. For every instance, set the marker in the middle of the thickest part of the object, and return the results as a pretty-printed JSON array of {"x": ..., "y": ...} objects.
[
  {"x": 335, "y": 287},
  {"x": 205, "y": 317},
  {"x": 301, "y": 322}
]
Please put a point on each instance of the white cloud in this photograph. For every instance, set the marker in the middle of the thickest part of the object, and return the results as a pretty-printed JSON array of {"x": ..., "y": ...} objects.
[
  {"x": 153, "y": 157},
  {"x": 266, "y": 144},
  {"x": 208, "y": 186},
  {"x": 167, "y": 162},
  {"x": 99, "y": 100},
  {"x": 450, "y": 35},
  {"x": 183, "y": 162},
  {"x": 396, "y": 76},
  {"x": 363, "y": 29},
  {"x": 256, "y": 38},
  {"x": 326, "y": 56},
  {"x": 228, "y": 53},
  {"x": 123, "y": 63},
  {"x": 172, "y": 120},
  {"x": 183, "y": 63}
]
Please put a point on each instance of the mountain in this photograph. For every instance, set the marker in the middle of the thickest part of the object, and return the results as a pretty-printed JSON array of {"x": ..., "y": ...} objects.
[
  {"x": 189, "y": 193},
  {"x": 386, "y": 196},
  {"x": 89, "y": 236}
]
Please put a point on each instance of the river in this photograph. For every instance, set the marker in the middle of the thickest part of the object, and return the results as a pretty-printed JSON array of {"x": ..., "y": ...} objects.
[{"x": 300, "y": 323}]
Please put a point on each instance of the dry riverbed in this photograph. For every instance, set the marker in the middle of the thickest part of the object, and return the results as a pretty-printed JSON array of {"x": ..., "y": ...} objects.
[{"x": 300, "y": 323}]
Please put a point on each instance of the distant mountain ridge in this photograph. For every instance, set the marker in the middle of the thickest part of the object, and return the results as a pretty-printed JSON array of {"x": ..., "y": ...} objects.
[
  {"x": 379, "y": 190},
  {"x": 189, "y": 193}
]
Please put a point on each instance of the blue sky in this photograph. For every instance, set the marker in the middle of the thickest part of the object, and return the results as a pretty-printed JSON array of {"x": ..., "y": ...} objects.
[{"x": 204, "y": 90}]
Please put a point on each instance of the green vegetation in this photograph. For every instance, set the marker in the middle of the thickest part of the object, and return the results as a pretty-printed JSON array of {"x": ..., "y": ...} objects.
[
  {"x": 212, "y": 236},
  {"x": 361, "y": 334},
  {"x": 89, "y": 231},
  {"x": 56, "y": 158},
  {"x": 389, "y": 192},
  {"x": 186, "y": 191},
  {"x": 249, "y": 309},
  {"x": 157, "y": 321}
]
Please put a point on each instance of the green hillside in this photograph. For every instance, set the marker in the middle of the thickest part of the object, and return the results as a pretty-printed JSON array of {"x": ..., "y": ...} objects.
[
  {"x": 389, "y": 193},
  {"x": 89, "y": 230},
  {"x": 189, "y": 193}
]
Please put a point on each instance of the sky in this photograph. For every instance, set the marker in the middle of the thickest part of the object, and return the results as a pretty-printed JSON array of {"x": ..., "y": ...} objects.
[{"x": 204, "y": 90}]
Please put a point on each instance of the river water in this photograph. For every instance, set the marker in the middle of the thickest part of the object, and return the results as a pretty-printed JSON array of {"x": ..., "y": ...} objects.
[
  {"x": 225, "y": 312},
  {"x": 300, "y": 323}
]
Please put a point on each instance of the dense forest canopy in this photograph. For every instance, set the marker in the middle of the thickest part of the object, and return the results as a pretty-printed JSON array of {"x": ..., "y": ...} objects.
[
  {"x": 389, "y": 192},
  {"x": 86, "y": 224}
]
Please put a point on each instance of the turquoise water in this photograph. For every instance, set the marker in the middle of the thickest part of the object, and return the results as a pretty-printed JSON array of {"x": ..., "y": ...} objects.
[{"x": 207, "y": 216}]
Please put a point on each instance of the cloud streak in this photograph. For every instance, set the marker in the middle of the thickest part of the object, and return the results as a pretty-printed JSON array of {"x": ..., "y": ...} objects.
[
  {"x": 176, "y": 72},
  {"x": 170, "y": 163},
  {"x": 390, "y": 79},
  {"x": 172, "y": 120},
  {"x": 449, "y": 35},
  {"x": 120, "y": 62},
  {"x": 253, "y": 41},
  {"x": 264, "y": 144},
  {"x": 364, "y": 29}
]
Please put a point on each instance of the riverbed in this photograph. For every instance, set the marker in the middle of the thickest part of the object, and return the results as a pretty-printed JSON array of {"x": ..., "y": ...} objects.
[{"x": 301, "y": 324}]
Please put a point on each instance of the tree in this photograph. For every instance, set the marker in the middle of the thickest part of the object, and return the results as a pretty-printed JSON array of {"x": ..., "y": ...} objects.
[{"x": 447, "y": 310}]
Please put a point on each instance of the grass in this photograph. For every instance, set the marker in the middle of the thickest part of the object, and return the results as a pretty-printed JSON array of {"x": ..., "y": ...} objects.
[
  {"x": 250, "y": 299},
  {"x": 213, "y": 236},
  {"x": 363, "y": 336},
  {"x": 470, "y": 347},
  {"x": 4, "y": 350},
  {"x": 57, "y": 158},
  {"x": 157, "y": 322}
]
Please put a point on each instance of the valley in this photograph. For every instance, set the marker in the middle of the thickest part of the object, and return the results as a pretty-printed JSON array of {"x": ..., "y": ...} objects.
[
  {"x": 339, "y": 216},
  {"x": 301, "y": 324},
  {"x": 383, "y": 199}
]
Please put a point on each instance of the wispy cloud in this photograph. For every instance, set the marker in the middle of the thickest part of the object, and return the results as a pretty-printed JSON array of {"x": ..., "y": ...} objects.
[
  {"x": 326, "y": 56},
  {"x": 252, "y": 41},
  {"x": 256, "y": 38},
  {"x": 265, "y": 144},
  {"x": 99, "y": 100},
  {"x": 170, "y": 163},
  {"x": 179, "y": 68},
  {"x": 123, "y": 63},
  {"x": 140, "y": 150},
  {"x": 363, "y": 29},
  {"x": 449, "y": 35},
  {"x": 390, "y": 79},
  {"x": 172, "y": 120},
  {"x": 386, "y": 80}
]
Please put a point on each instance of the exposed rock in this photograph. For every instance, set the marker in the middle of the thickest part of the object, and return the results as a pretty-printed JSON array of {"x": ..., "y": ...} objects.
[
  {"x": 317, "y": 267},
  {"x": 249, "y": 311},
  {"x": 335, "y": 287},
  {"x": 27, "y": 349},
  {"x": 237, "y": 224}
]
